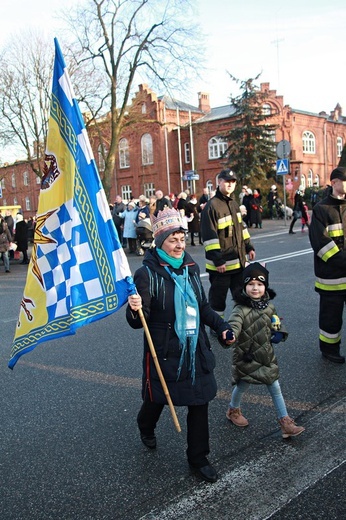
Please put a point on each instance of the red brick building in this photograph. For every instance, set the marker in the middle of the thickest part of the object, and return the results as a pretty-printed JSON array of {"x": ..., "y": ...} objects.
[{"x": 172, "y": 140}]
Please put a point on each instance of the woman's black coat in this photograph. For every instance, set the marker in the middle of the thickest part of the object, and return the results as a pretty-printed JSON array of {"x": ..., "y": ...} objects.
[
  {"x": 21, "y": 235},
  {"x": 156, "y": 288}
]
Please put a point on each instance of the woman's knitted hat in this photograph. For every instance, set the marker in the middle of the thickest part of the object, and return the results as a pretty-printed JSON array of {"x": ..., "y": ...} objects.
[
  {"x": 166, "y": 222},
  {"x": 255, "y": 271}
]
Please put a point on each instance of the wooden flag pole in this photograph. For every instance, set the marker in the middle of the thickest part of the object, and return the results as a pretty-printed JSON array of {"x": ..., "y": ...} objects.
[{"x": 159, "y": 371}]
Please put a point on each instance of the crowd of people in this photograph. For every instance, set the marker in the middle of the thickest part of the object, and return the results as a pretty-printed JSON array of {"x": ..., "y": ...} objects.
[
  {"x": 251, "y": 203},
  {"x": 15, "y": 235},
  {"x": 129, "y": 217}
]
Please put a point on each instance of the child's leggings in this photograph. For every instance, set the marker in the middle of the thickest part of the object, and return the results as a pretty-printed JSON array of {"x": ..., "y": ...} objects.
[{"x": 274, "y": 390}]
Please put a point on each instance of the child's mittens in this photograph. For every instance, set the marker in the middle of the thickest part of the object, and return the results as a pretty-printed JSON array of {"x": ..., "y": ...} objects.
[
  {"x": 230, "y": 335},
  {"x": 229, "y": 338},
  {"x": 276, "y": 336}
]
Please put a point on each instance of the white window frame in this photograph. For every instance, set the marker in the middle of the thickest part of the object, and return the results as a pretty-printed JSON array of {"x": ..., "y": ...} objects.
[
  {"x": 339, "y": 146},
  {"x": 26, "y": 178},
  {"x": 149, "y": 189},
  {"x": 187, "y": 154},
  {"x": 147, "y": 149},
  {"x": 216, "y": 147},
  {"x": 126, "y": 192},
  {"x": 27, "y": 204},
  {"x": 266, "y": 109},
  {"x": 124, "y": 153},
  {"x": 310, "y": 178},
  {"x": 13, "y": 180},
  {"x": 309, "y": 142}
]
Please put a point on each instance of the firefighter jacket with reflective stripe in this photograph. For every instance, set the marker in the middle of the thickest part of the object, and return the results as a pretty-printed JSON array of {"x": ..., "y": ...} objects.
[
  {"x": 226, "y": 239},
  {"x": 327, "y": 237}
]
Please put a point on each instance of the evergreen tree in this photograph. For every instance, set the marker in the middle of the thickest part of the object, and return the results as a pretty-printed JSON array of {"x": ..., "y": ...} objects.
[{"x": 251, "y": 150}]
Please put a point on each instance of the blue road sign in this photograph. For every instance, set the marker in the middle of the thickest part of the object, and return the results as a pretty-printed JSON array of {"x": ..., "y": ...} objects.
[{"x": 282, "y": 167}]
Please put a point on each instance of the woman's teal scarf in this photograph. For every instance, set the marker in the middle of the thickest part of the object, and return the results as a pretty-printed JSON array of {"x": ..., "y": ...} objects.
[
  {"x": 174, "y": 262},
  {"x": 186, "y": 323}
]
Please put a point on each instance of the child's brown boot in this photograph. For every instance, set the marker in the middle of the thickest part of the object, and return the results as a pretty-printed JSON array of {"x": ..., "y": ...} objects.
[
  {"x": 289, "y": 427},
  {"x": 236, "y": 417}
]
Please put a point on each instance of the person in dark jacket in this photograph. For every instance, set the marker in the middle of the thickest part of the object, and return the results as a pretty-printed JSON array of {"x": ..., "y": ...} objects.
[
  {"x": 256, "y": 209},
  {"x": 161, "y": 201},
  {"x": 246, "y": 202},
  {"x": 119, "y": 207},
  {"x": 327, "y": 237},
  {"x": 193, "y": 208},
  {"x": 254, "y": 360},
  {"x": 271, "y": 197},
  {"x": 9, "y": 221},
  {"x": 5, "y": 240},
  {"x": 176, "y": 310},
  {"x": 297, "y": 208},
  {"x": 226, "y": 241},
  {"x": 21, "y": 237}
]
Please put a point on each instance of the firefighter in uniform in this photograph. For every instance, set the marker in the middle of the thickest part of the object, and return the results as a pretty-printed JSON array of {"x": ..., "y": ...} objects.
[
  {"x": 327, "y": 237},
  {"x": 226, "y": 240}
]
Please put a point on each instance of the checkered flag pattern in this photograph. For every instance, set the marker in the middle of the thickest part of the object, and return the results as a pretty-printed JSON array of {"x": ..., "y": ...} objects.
[{"x": 66, "y": 263}]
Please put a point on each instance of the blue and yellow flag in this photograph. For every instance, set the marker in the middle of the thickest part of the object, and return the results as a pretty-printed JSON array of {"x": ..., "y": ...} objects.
[{"x": 78, "y": 272}]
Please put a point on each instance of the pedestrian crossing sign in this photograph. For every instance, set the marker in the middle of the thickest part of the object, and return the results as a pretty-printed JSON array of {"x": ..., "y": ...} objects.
[{"x": 281, "y": 166}]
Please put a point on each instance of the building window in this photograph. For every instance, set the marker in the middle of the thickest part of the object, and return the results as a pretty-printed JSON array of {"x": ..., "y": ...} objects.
[
  {"x": 271, "y": 136},
  {"x": 149, "y": 189},
  {"x": 3, "y": 184},
  {"x": 27, "y": 204},
  {"x": 309, "y": 144},
  {"x": 317, "y": 180},
  {"x": 147, "y": 149},
  {"x": 102, "y": 163},
  {"x": 26, "y": 179},
  {"x": 38, "y": 179},
  {"x": 13, "y": 179},
  {"x": 15, "y": 201},
  {"x": 266, "y": 110},
  {"x": 126, "y": 192},
  {"x": 4, "y": 202},
  {"x": 216, "y": 147},
  {"x": 339, "y": 146},
  {"x": 187, "y": 152},
  {"x": 124, "y": 153},
  {"x": 303, "y": 181},
  {"x": 144, "y": 108},
  {"x": 310, "y": 178}
]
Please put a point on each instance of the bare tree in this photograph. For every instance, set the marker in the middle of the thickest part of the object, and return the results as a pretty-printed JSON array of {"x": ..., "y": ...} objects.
[
  {"x": 120, "y": 43},
  {"x": 26, "y": 66}
]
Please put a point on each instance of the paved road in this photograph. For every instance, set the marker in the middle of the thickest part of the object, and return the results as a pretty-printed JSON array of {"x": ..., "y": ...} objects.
[{"x": 69, "y": 447}]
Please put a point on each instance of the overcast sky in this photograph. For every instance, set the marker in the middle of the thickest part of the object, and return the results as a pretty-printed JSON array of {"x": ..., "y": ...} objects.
[{"x": 299, "y": 46}]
